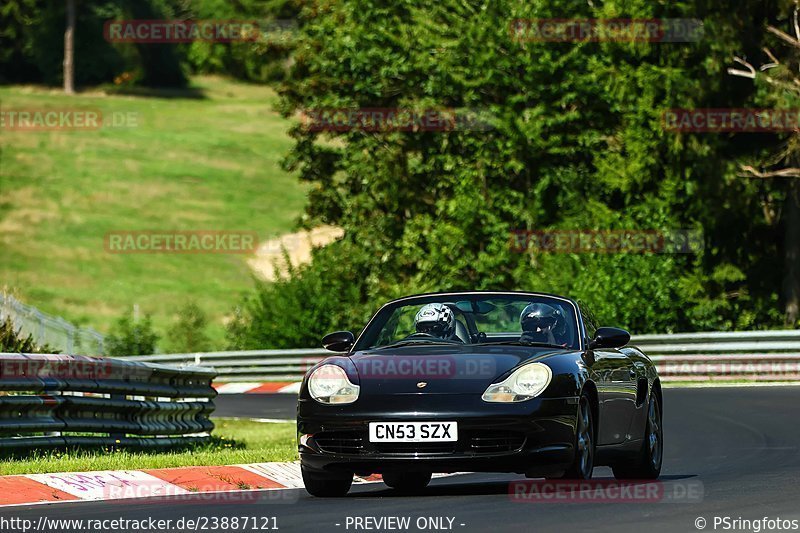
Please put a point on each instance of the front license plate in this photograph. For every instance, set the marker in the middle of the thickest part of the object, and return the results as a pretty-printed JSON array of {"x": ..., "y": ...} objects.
[{"x": 413, "y": 431}]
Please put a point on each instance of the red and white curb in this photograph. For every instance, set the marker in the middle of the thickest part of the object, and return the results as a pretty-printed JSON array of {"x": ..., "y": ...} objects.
[
  {"x": 236, "y": 483},
  {"x": 272, "y": 387}
]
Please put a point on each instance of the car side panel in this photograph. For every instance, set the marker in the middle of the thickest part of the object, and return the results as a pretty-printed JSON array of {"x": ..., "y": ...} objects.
[{"x": 616, "y": 388}]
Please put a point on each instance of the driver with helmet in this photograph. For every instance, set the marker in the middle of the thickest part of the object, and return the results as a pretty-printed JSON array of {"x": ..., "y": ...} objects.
[
  {"x": 543, "y": 324},
  {"x": 436, "y": 320}
]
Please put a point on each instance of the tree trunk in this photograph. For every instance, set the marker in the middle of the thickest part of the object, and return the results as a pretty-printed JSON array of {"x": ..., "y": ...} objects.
[
  {"x": 69, "y": 49},
  {"x": 791, "y": 276}
]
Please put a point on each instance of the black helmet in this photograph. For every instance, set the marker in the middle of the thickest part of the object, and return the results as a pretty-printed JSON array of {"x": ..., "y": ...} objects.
[{"x": 538, "y": 317}]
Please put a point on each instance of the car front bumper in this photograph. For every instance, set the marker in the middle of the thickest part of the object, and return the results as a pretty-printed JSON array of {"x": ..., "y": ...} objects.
[{"x": 535, "y": 437}]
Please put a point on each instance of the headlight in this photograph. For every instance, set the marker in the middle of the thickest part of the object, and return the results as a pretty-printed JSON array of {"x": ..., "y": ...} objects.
[
  {"x": 523, "y": 384},
  {"x": 329, "y": 384}
]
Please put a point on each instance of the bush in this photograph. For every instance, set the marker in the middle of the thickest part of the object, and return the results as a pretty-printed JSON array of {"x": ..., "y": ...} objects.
[
  {"x": 299, "y": 310},
  {"x": 13, "y": 341},
  {"x": 263, "y": 60},
  {"x": 188, "y": 334},
  {"x": 131, "y": 337}
]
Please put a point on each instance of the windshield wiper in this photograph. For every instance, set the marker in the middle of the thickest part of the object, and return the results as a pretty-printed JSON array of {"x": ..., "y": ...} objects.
[
  {"x": 526, "y": 343},
  {"x": 408, "y": 343}
]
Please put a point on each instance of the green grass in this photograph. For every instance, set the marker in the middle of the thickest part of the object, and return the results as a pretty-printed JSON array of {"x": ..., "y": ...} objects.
[
  {"x": 207, "y": 163},
  {"x": 237, "y": 442}
]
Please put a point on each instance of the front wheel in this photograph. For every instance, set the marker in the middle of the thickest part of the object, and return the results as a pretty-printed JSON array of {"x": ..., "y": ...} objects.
[
  {"x": 647, "y": 463},
  {"x": 326, "y": 484},
  {"x": 583, "y": 464},
  {"x": 407, "y": 482}
]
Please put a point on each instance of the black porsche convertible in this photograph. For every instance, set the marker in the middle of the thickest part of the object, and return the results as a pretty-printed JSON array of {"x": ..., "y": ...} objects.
[{"x": 478, "y": 381}]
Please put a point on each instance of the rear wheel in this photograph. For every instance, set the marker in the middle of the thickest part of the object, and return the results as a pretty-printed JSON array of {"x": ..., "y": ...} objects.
[
  {"x": 326, "y": 484},
  {"x": 583, "y": 464},
  {"x": 407, "y": 481},
  {"x": 647, "y": 463}
]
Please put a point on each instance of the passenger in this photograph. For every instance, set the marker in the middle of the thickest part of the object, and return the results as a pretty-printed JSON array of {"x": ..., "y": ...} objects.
[{"x": 543, "y": 324}]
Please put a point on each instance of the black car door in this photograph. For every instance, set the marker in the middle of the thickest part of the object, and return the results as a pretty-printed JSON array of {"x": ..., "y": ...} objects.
[{"x": 616, "y": 388}]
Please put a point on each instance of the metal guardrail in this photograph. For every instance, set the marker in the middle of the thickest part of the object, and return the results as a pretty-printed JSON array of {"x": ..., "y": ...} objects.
[
  {"x": 49, "y": 400},
  {"x": 248, "y": 365},
  {"x": 725, "y": 356},
  {"x": 738, "y": 355}
]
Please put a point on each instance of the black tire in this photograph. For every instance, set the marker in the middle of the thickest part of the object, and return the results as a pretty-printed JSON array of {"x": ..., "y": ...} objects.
[
  {"x": 583, "y": 464},
  {"x": 325, "y": 484},
  {"x": 407, "y": 482},
  {"x": 647, "y": 462}
]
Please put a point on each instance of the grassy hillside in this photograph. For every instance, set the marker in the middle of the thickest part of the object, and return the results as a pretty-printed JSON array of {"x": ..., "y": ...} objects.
[{"x": 209, "y": 163}]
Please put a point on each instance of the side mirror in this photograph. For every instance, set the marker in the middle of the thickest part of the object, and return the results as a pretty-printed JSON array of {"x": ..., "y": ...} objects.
[
  {"x": 609, "y": 338},
  {"x": 339, "y": 341}
]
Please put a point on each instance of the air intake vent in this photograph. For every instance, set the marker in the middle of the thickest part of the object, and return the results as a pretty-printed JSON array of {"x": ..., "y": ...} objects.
[
  {"x": 496, "y": 441},
  {"x": 343, "y": 442}
]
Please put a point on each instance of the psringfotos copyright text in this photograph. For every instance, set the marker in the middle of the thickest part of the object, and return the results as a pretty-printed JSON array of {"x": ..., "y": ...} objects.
[{"x": 756, "y": 525}]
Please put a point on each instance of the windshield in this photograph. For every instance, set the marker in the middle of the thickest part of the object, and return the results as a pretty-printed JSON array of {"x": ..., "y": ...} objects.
[{"x": 474, "y": 319}]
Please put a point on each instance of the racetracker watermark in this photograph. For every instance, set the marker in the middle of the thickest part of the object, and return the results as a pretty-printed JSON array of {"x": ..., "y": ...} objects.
[
  {"x": 681, "y": 241},
  {"x": 68, "y": 119},
  {"x": 54, "y": 367},
  {"x": 770, "y": 366},
  {"x": 731, "y": 120},
  {"x": 384, "y": 119},
  {"x": 426, "y": 367},
  {"x": 181, "y": 242},
  {"x": 77, "y": 367},
  {"x": 420, "y": 367},
  {"x": 187, "y": 31},
  {"x": 606, "y": 30},
  {"x": 605, "y": 491},
  {"x": 131, "y": 493}
]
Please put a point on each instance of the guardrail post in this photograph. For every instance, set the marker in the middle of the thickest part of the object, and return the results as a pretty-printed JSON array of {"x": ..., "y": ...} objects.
[
  {"x": 70, "y": 341},
  {"x": 117, "y": 436}
]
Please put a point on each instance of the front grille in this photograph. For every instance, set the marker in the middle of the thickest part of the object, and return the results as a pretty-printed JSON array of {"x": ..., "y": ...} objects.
[
  {"x": 495, "y": 441},
  {"x": 410, "y": 448},
  {"x": 470, "y": 442},
  {"x": 345, "y": 442}
]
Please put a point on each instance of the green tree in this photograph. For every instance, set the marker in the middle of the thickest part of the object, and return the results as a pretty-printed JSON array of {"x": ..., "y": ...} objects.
[
  {"x": 778, "y": 82},
  {"x": 33, "y": 43},
  {"x": 131, "y": 336},
  {"x": 297, "y": 311},
  {"x": 13, "y": 341},
  {"x": 188, "y": 334},
  {"x": 576, "y": 142},
  {"x": 263, "y": 59},
  {"x": 69, "y": 49}
]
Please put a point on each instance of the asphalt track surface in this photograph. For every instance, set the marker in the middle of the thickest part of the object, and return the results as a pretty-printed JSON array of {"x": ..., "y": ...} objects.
[
  {"x": 275, "y": 406},
  {"x": 741, "y": 443}
]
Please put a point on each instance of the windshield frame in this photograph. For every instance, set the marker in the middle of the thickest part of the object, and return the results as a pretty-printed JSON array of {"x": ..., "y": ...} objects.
[{"x": 418, "y": 299}]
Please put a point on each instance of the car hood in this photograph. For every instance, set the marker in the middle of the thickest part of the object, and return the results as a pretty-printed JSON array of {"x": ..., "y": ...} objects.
[{"x": 442, "y": 369}]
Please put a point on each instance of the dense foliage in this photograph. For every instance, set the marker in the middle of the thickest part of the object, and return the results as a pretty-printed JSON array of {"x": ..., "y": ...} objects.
[
  {"x": 131, "y": 336},
  {"x": 12, "y": 340},
  {"x": 32, "y": 42},
  {"x": 577, "y": 142},
  {"x": 188, "y": 333}
]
